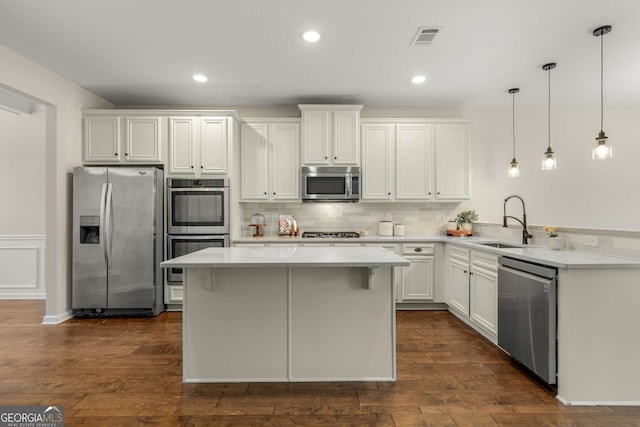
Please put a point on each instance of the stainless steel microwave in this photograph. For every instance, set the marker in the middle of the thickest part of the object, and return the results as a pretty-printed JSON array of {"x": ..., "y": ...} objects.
[{"x": 330, "y": 184}]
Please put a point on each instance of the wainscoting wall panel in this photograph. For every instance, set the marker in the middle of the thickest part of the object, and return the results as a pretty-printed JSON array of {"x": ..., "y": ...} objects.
[{"x": 22, "y": 267}]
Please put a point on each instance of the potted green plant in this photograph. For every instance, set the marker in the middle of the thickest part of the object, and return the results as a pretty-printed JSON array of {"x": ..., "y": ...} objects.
[
  {"x": 465, "y": 218},
  {"x": 555, "y": 242}
]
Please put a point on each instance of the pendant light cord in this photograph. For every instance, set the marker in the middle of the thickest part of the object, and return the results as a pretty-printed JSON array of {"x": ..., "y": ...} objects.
[
  {"x": 513, "y": 121},
  {"x": 601, "y": 82},
  {"x": 549, "y": 110}
]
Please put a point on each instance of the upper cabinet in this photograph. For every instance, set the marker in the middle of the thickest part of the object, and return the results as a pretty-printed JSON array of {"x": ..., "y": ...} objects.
[
  {"x": 330, "y": 134},
  {"x": 453, "y": 154},
  {"x": 269, "y": 160},
  {"x": 415, "y": 160},
  {"x": 199, "y": 145},
  {"x": 113, "y": 139}
]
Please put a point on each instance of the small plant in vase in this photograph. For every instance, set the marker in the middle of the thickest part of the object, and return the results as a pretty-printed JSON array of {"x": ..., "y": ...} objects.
[
  {"x": 465, "y": 219},
  {"x": 555, "y": 242}
]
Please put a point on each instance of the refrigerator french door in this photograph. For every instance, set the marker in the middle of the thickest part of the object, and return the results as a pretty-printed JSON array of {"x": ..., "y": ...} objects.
[{"x": 117, "y": 241}]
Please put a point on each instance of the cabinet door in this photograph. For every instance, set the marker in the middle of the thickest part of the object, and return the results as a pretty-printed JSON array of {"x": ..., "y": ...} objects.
[
  {"x": 315, "y": 137},
  {"x": 213, "y": 145},
  {"x": 452, "y": 147},
  {"x": 254, "y": 162},
  {"x": 459, "y": 286},
  {"x": 142, "y": 140},
  {"x": 102, "y": 139},
  {"x": 417, "y": 279},
  {"x": 182, "y": 145},
  {"x": 377, "y": 161},
  {"x": 285, "y": 166},
  {"x": 413, "y": 162},
  {"x": 483, "y": 281},
  {"x": 346, "y": 137}
]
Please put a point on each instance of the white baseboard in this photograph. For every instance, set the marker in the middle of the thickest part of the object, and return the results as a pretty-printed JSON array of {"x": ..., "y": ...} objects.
[
  {"x": 22, "y": 267},
  {"x": 54, "y": 320}
]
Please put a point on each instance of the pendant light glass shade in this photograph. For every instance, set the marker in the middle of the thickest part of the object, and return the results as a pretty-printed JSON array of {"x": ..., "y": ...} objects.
[
  {"x": 514, "y": 170},
  {"x": 601, "y": 148},
  {"x": 549, "y": 160}
]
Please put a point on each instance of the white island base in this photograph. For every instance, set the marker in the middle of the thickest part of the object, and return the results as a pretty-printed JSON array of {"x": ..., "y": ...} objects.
[{"x": 299, "y": 322}]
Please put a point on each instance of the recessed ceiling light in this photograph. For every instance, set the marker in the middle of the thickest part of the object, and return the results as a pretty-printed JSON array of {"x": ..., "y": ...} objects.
[
  {"x": 311, "y": 36},
  {"x": 416, "y": 80},
  {"x": 200, "y": 78}
]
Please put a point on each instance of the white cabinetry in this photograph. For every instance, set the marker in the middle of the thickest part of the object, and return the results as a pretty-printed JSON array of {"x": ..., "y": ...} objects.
[
  {"x": 483, "y": 295},
  {"x": 407, "y": 159},
  {"x": 458, "y": 279},
  {"x": 111, "y": 139},
  {"x": 417, "y": 280},
  {"x": 270, "y": 160},
  {"x": 414, "y": 162},
  {"x": 452, "y": 147},
  {"x": 330, "y": 134},
  {"x": 473, "y": 289},
  {"x": 199, "y": 145}
]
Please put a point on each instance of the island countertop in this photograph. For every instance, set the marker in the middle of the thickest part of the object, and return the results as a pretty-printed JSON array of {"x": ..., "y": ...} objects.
[{"x": 288, "y": 257}]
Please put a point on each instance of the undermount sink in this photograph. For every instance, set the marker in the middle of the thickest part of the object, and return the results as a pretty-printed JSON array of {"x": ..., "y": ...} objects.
[{"x": 500, "y": 245}]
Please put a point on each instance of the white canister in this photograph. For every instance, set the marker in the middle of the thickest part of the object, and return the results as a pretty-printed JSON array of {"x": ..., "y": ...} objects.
[
  {"x": 385, "y": 228},
  {"x": 398, "y": 230}
]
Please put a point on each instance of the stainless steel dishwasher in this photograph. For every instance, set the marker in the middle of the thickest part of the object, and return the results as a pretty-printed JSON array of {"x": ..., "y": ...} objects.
[{"x": 527, "y": 315}]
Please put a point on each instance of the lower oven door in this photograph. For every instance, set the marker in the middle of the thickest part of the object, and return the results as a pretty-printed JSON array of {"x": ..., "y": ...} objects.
[{"x": 182, "y": 245}]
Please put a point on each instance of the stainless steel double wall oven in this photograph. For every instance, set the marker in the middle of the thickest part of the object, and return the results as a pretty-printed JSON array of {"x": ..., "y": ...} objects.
[{"x": 197, "y": 217}]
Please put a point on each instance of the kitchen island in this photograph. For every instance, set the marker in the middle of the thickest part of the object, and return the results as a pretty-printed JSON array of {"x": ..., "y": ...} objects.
[{"x": 288, "y": 314}]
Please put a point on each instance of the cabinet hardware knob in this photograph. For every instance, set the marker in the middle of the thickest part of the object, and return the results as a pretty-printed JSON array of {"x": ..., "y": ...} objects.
[
  {"x": 325, "y": 157},
  {"x": 126, "y": 154},
  {"x": 418, "y": 249},
  {"x": 335, "y": 158},
  {"x": 265, "y": 193},
  {"x": 389, "y": 193},
  {"x": 464, "y": 271},
  {"x": 470, "y": 273},
  {"x": 201, "y": 167},
  {"x": 274, "y": 193},
  {"x": 191, "y": 166},
  {"x": 438, "y": 192},
  {"x": 115, "y": 154}
]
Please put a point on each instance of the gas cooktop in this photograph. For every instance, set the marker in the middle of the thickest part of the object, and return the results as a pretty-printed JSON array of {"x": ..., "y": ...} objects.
[{"x": 331, "y": 234}]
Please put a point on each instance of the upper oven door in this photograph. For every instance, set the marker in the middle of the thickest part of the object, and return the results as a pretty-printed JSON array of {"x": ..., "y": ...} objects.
[{"x": 198, "y": 210}]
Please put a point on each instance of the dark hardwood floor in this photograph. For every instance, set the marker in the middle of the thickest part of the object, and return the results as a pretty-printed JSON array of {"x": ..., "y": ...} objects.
[{"x": 121, "y": 372}]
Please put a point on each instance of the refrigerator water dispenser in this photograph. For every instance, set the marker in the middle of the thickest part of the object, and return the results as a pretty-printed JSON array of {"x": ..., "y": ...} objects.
[{"x": 89, "y": 229}]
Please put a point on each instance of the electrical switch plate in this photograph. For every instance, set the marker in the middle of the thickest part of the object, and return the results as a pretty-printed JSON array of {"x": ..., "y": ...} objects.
[
  {"x": 591, "y": 241},
  {"x": 440, "y": 218}
]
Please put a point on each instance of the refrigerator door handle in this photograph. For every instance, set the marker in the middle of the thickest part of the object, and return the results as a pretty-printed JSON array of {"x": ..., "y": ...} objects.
[
  {"x": 109, "y": 228},
  {"x": 103, "y": 232}
]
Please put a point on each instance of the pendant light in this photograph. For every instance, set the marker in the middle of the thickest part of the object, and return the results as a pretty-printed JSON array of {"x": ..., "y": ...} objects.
[
  {"x": 549, "y": 160},
  {"x": 601, "y": 150},
  {"x": 514, "y": 170}
]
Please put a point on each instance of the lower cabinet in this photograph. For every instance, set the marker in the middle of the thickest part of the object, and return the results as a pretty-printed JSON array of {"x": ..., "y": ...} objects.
[
  {"x": 417, "y": 280},
  {"x": 472, "y": 285}
]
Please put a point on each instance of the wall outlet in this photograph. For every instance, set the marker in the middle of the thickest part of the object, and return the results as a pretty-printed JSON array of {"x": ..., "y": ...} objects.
[
  {"x": 440, "y": 218},
  {"x": 590, "y": 241}
]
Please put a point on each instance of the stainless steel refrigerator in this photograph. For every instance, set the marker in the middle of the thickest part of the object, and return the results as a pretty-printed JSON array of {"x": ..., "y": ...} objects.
[{"x": 117, "y": 241}]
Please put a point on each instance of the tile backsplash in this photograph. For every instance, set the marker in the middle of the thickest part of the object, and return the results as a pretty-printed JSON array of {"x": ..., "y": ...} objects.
[{"x": 418, "y": 218}]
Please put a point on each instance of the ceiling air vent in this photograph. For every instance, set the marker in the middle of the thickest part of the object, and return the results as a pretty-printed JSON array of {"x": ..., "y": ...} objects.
[{"x": 425, "y": 36}]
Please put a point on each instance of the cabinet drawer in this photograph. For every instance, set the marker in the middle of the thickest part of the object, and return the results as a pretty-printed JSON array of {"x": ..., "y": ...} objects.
[
  {"x": 458, "y": 253},
  {"x": 175, "y": 294},
  {"x": 418, "y": 249}
]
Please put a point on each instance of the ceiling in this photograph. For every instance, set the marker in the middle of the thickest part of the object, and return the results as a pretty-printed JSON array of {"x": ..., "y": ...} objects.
[{"x": 144, "y": 52}]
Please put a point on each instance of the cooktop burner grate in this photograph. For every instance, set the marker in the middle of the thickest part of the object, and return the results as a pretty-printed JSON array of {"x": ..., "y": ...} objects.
[{"x": 331, "y": 234}]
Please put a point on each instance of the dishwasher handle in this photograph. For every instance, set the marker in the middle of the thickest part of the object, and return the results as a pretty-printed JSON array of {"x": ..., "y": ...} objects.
[{"x": 540, "y": 270}]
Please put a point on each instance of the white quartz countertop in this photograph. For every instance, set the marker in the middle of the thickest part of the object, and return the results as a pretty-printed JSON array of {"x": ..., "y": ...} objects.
[
  {"x": 288, "y": 257},
  {"x": 556, "y": 258}
]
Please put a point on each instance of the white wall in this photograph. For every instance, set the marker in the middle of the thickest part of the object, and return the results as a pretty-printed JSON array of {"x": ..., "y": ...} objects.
[
  {"x": 22, "y": 169},
  {"x": 63, "y": 130},
  {"x": 582, "y": 192}
]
